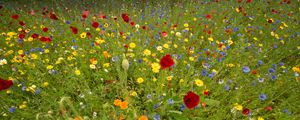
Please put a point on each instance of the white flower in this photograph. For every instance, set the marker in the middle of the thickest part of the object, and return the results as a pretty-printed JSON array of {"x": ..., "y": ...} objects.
[
  {"x": 137, "y": 26},
  {"x": 159, "y": 48},
  {"x": 3, "y": 62}
]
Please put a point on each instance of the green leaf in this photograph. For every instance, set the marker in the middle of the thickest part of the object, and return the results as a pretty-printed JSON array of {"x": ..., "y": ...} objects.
[{"x": 211, "y": 102}]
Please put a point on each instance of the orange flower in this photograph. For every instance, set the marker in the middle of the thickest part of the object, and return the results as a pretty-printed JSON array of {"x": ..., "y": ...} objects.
[
  {"x": 106, "y": 54},
  {"x": 117, "y": 102},
  {"x": 93, "y": 61},
  {"x": 143, "y": 117},
  {"x": 124, "y": 105},
  {"x": 78, "y": 118},
  {"x": 121, "y": 117}
]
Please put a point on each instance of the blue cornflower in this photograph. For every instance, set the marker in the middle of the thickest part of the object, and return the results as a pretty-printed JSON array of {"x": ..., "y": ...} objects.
[
  {"x": 182, "y": 107},
  {"x": 156, "y": 117},
  {"x": 271, "y": 70},
  {"x": 262, "y": 97},
  {"x": 226, "y": 87},
  {"x": 170, "y": 101},
  {"x": 204, "y": 72},
  {"x": 260, "y": 62},
  {"x": 149, "y": 96},
  {"x": 12, "y": 109},
  {"x": 246, "y": 69}
]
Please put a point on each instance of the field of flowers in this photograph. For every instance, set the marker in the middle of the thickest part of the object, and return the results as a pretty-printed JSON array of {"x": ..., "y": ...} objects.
[{"x": 149, "y": 60}]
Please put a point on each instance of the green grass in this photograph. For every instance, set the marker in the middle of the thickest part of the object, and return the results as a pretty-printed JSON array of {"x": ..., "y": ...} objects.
[{"x": 93, "y": 91}]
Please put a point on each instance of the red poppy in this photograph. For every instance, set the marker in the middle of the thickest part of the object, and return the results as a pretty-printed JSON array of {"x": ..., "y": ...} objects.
[
  {"x": 5, "y": 84},
  {"x": 191, "y": 100},
  {"x": 34, "y": 35},
  {"x": 95, "y": 24},
  {"x": 125, "y": 46},
  {"x": 254, "y": 72},
  {"x": 144, "y": 27},
  {"x": 45, "y": 29},
  {"x": 208, "y": 16},
  {"x": 246, "y": 111},
  {"x": 239, "y": 1},
  {"x": 45, "y": 39},
  {"x": 85, "y": 14},
  {"x": 132, "y": 23},
  {"x": 166, "y": 62},
  {"x": 270, "y": 20},
  {"x": 269, "y": 108},
  {"x": 21, "y": 23},
  {"x": 248, "y": 1},
  {"x": 125, "y": 17},
  {"x": 53, "y": 16},
  {"x": 164, "y": 34},
  {"x": 206, "y": 92},
  {"x": 21, "y": 36},
  {"x": 74, "y": 30},
  {"x": 15, "y": 16}
]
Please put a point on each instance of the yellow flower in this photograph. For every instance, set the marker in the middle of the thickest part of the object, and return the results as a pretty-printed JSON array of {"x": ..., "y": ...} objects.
[
  {"x": 49, "y": 67},
  {"x": 166, "y": 46},
  {"x": 20, "y": 52},
  {"x": 133, "y": 93},
  {"x": 230, "y": 65},
  {"x": 45, "y": 84},
  {"x": 140, "y": 80},
  {"x": 147, "y": 52},
  {"x": 195, "y": 19},
  {"x": 260, "y": 118},
  {"x": 83, "y": 35},
  {"x": 191, "y": 58},
  {"x": 238, "y": 107},
  {"x": 105, "y": 24},
  {"x": 186, "y": 25},
  {"x": 181, "y": 80},
  {"x": 211, "y": 39},
  {"x": 296, "y": 69},
  {"x": 155, "y": 67},
  {"x": 77, "y": 72},
  {"x": 132, "y": 45},
  {"x": 237, "y": 9},
  {"x": 169, "y": 78},
  {"x": 199, "y": 82},
  {"x": 106, "y": 65},
  {"x": 46, "y": 51}
]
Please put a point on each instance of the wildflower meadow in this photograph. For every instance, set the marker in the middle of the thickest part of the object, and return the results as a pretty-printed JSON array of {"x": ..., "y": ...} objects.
[{"x": 149, "y": 60}]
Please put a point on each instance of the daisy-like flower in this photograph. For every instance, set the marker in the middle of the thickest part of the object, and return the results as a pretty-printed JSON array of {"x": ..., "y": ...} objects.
[
  {"x": 147, "y": 52},
  {"x": 132, "y": 45},
  {"x": 83, "y": 35},
  {"x": 199, "y": 82},
  {"x": 77, "y": 72},
  {"x": 140, "y": 80}
]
